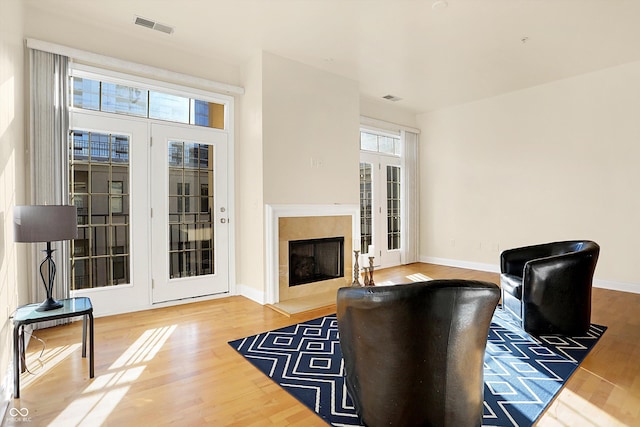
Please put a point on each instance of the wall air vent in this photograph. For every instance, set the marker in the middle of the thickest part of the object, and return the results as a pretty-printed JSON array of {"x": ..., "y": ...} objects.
[
  {"x": 149, "y": 23},
  {"x": 392, "y": 98}
]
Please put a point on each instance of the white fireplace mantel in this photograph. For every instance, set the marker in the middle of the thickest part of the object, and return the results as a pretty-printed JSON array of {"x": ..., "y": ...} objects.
[{"x": 275, "y": 212}]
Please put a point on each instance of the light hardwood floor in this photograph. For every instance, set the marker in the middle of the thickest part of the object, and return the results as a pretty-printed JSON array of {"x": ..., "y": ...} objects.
[{"x": 174, "y": 366}]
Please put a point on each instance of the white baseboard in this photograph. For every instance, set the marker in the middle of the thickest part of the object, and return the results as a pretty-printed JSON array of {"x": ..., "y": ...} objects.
[
  {"x": 6, "y": 391},
  {"x": 633, "y": 288},
  {"x": 252, "y": 293},
  {"x": 495, "y": 268}
]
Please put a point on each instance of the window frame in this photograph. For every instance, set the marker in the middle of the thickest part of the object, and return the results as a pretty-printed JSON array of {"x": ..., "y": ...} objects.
[{"x": 114, "y": 77}]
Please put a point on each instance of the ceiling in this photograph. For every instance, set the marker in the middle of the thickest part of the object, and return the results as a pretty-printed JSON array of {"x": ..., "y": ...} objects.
[{"x": 430, "y": 57}]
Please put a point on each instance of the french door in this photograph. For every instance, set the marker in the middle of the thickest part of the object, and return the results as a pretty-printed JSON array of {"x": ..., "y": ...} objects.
[
  {"x": 189, "y": 226},
  {"x": 108, "y": 176},
  {"x": 152, "y": 217},
  {"x": 380, "y": 215}
]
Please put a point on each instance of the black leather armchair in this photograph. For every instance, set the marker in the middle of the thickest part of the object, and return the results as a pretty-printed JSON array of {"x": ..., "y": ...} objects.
[
  {"x": 414, "y": 353},
  {"x": 547, "y": 287}
]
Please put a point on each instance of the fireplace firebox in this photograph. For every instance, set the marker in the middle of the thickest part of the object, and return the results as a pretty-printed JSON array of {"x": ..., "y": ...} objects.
[{"x": 315, "y": 260}]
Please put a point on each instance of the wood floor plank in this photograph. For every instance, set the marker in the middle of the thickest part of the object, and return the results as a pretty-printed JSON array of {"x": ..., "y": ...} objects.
[{"x": 173, "y": 366}]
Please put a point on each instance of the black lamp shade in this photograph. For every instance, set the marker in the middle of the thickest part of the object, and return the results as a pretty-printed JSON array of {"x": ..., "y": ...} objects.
[{"x": 44, "y": 223}]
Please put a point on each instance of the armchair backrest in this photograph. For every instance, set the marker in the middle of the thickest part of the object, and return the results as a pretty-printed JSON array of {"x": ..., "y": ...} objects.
[
  {"x": 414, "y": 353},
  {"x": 512, "y": 261}
]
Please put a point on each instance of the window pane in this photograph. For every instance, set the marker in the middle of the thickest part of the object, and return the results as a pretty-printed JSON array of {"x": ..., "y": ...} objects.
[
  {"x": 80, "y": 275},
  {"x": 207, "y": 114},
  {"x": 99, "y": 147},
  {"x": 383, "y": 144},
  {"x": 100, "y": 274},
  {"x": 368, "y": 141},
  {"x": 124, "y": 100},
  {"x": 80, "y": 246},
  {"x": 120, "y": 149},
  {"x": 99, "y": 186},
  {"x": 190, "y": 231},
  {"x": 366, "y": 201},
  {"x": 191, "y": 155},
  {"x": 172, "y": 108},
  {"x": 86, "y": 94},
  {"x": 100, "y": 240},
  {"x": 80, "y": 179},
  {"x": 99, "y": 179},
  {"x": 80, "y": 149},
  {"x": 393, "y": 207},
  {"x": 386, "y": 144}
]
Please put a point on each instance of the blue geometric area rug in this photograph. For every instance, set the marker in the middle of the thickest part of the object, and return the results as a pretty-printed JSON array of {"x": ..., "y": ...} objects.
[{"x": 522, "y": 373}]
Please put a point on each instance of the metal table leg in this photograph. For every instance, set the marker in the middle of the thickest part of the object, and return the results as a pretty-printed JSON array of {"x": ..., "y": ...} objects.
[
  {"x": 84, "y": 335},
  {"x": 91, "y": 362},
  {"x": 16, "y": 361}
]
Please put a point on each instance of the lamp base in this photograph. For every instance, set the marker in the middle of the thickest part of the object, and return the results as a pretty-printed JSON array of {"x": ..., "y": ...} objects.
[{"x": 49, "y": 304}]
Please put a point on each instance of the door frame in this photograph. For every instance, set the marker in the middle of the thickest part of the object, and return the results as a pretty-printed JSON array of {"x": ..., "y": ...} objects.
[{"x": 144, "y": 300}]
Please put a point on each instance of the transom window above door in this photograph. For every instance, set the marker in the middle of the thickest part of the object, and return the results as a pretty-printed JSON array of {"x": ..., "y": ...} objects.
[
  {"x": 97, "y": 95},
  {"x": 383, "y": 144}
]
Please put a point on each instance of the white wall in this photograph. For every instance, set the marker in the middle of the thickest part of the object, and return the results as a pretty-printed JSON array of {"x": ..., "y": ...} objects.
[
  {"x": 553, "y": 162},
  {"x": 250, "y": 257},
  {"x": 310, "y": 130},
  {"x": 12, "y": 176}
]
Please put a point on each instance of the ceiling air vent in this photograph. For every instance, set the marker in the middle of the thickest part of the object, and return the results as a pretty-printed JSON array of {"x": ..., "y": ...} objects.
[
  {"x": 148, "y": 23},
  {"x": 392, "y": 98}
]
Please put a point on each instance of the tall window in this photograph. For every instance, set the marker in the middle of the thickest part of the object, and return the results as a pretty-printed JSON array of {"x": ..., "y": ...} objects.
[
  {"x": 393, "y": 207},
  {"x": 366, "y": 206},
  {"x": 99, "y": 188}
]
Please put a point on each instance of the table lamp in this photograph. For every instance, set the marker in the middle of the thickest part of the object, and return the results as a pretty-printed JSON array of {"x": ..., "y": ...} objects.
[{"x": 48, "y": 223}]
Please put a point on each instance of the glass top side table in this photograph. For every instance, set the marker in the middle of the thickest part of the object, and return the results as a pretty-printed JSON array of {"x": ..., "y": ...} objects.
[{"x": 27, "y": 314}]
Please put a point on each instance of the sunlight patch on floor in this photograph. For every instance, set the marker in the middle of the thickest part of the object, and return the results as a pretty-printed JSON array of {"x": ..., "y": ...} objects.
[
  {"x": 571, "y": 407},
  {"x": 145, "y": 348},
  {"x": 39, "y": 366},
  {"x": 418, "y": 277},
  {"x": 385, "y": 283},
  {"x": 105, "y": 391}
]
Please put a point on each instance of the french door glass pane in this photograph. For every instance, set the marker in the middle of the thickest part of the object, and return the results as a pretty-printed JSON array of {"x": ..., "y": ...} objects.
[
  {"x": 393, "y": 207},
  {"x": 99, "y": 188},
  {"x": 191, "y": 177},
  {"x": 366, "y": 201}
]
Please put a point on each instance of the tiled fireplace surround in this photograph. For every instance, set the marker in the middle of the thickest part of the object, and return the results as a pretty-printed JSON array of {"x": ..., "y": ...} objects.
[{"x": 297, "y": 222}]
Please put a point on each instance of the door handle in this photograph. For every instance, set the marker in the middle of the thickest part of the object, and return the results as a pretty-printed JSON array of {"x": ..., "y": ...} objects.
[{"x": 223, "y": 220}]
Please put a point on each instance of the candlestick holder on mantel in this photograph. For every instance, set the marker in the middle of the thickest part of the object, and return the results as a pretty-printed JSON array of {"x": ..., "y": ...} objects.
[
  {"x": 356, "y": 270},
  {"x": 371, "y": 282},
  {"x": 365, "y": 271}
]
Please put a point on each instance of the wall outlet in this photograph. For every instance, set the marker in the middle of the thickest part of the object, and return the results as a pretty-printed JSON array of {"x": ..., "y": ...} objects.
[{"x": 316, "y": 163}]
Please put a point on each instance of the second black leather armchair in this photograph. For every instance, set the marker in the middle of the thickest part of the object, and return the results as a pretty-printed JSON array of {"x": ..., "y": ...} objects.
[{"x": 547, "y": 287}]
